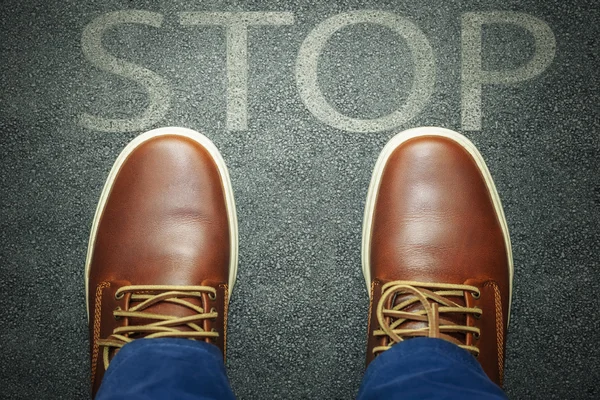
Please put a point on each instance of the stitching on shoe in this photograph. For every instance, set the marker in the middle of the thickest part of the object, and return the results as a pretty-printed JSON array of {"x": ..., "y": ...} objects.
[
  {"x": 225, "y": 309},
  {"x": 370, "y": 310},
  {"x": 499, "y": 329},
  {"x": 97, "y": 320}
]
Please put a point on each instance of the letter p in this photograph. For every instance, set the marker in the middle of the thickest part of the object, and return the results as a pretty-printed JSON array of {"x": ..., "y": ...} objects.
[{"x": 473, "y": 75}]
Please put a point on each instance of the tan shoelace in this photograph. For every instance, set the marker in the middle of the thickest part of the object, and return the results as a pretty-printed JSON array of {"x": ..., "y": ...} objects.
[
  {"x": 435, "y": 301},
  {"x": 165, "y": 325}
]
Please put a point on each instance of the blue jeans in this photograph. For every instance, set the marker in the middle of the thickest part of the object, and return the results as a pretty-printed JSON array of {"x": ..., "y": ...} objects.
[{"x": 419, "y": 368}]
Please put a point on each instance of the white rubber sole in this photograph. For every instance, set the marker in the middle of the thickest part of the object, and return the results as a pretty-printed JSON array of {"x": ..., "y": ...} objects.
[
  {"x": 376, "y": 180},
  {"x": 230, "y": 203}
]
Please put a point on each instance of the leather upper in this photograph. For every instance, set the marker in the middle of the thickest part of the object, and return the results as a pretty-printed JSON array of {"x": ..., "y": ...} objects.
[
  {"x": 164, "y": 223},
  {"x": 434, "y": 221}
]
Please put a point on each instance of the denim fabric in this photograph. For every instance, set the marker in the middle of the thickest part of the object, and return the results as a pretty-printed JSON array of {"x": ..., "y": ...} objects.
[
  {"x": 424, "y": 368},
  {"x": 419, "y": 368},
  {"x": 166, "y": 369}
]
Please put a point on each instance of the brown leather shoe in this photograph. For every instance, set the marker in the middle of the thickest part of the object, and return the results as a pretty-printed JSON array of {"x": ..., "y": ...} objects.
[
  {"x": 436, "y": 252},
  {"x": 162, "y": 255}
]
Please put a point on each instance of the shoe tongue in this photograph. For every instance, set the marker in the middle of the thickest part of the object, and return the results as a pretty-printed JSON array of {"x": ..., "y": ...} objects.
[{"x": 417, "y": 306}]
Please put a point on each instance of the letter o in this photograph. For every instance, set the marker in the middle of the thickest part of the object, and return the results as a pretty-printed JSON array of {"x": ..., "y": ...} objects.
[{"x": 308, "y": 56}]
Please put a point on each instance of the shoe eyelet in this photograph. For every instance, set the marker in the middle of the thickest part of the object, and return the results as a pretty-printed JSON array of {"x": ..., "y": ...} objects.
[
  {"x": 117, "y": 317},
  {"x": 476, "y": 335},
  {"x": 475, "y": 295},
  {"x": 212, "y": 296},
  {"x": 119, "y": 296},
  {"x": 477, "y": 316},
  {"x": 213, "y": 311}
]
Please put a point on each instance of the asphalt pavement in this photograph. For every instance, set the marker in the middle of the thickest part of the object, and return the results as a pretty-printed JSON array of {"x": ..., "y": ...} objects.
[{"x": 300, "y": 98}]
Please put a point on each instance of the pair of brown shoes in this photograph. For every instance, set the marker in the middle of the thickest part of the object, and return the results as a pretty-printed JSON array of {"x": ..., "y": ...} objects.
[{"x": 436, "y": 254}]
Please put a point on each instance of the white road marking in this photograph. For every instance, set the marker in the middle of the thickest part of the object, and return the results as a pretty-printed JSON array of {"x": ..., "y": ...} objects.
[
  {"x": 159, "y": 92},
  {"x": 236, "y": 25},
  {"x": 308, "y": 57},
  {"x": 473, "y": 75}
]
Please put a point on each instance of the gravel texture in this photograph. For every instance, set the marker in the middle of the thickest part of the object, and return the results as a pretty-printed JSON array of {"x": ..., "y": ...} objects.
[{"x": 298, "y": 314}]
